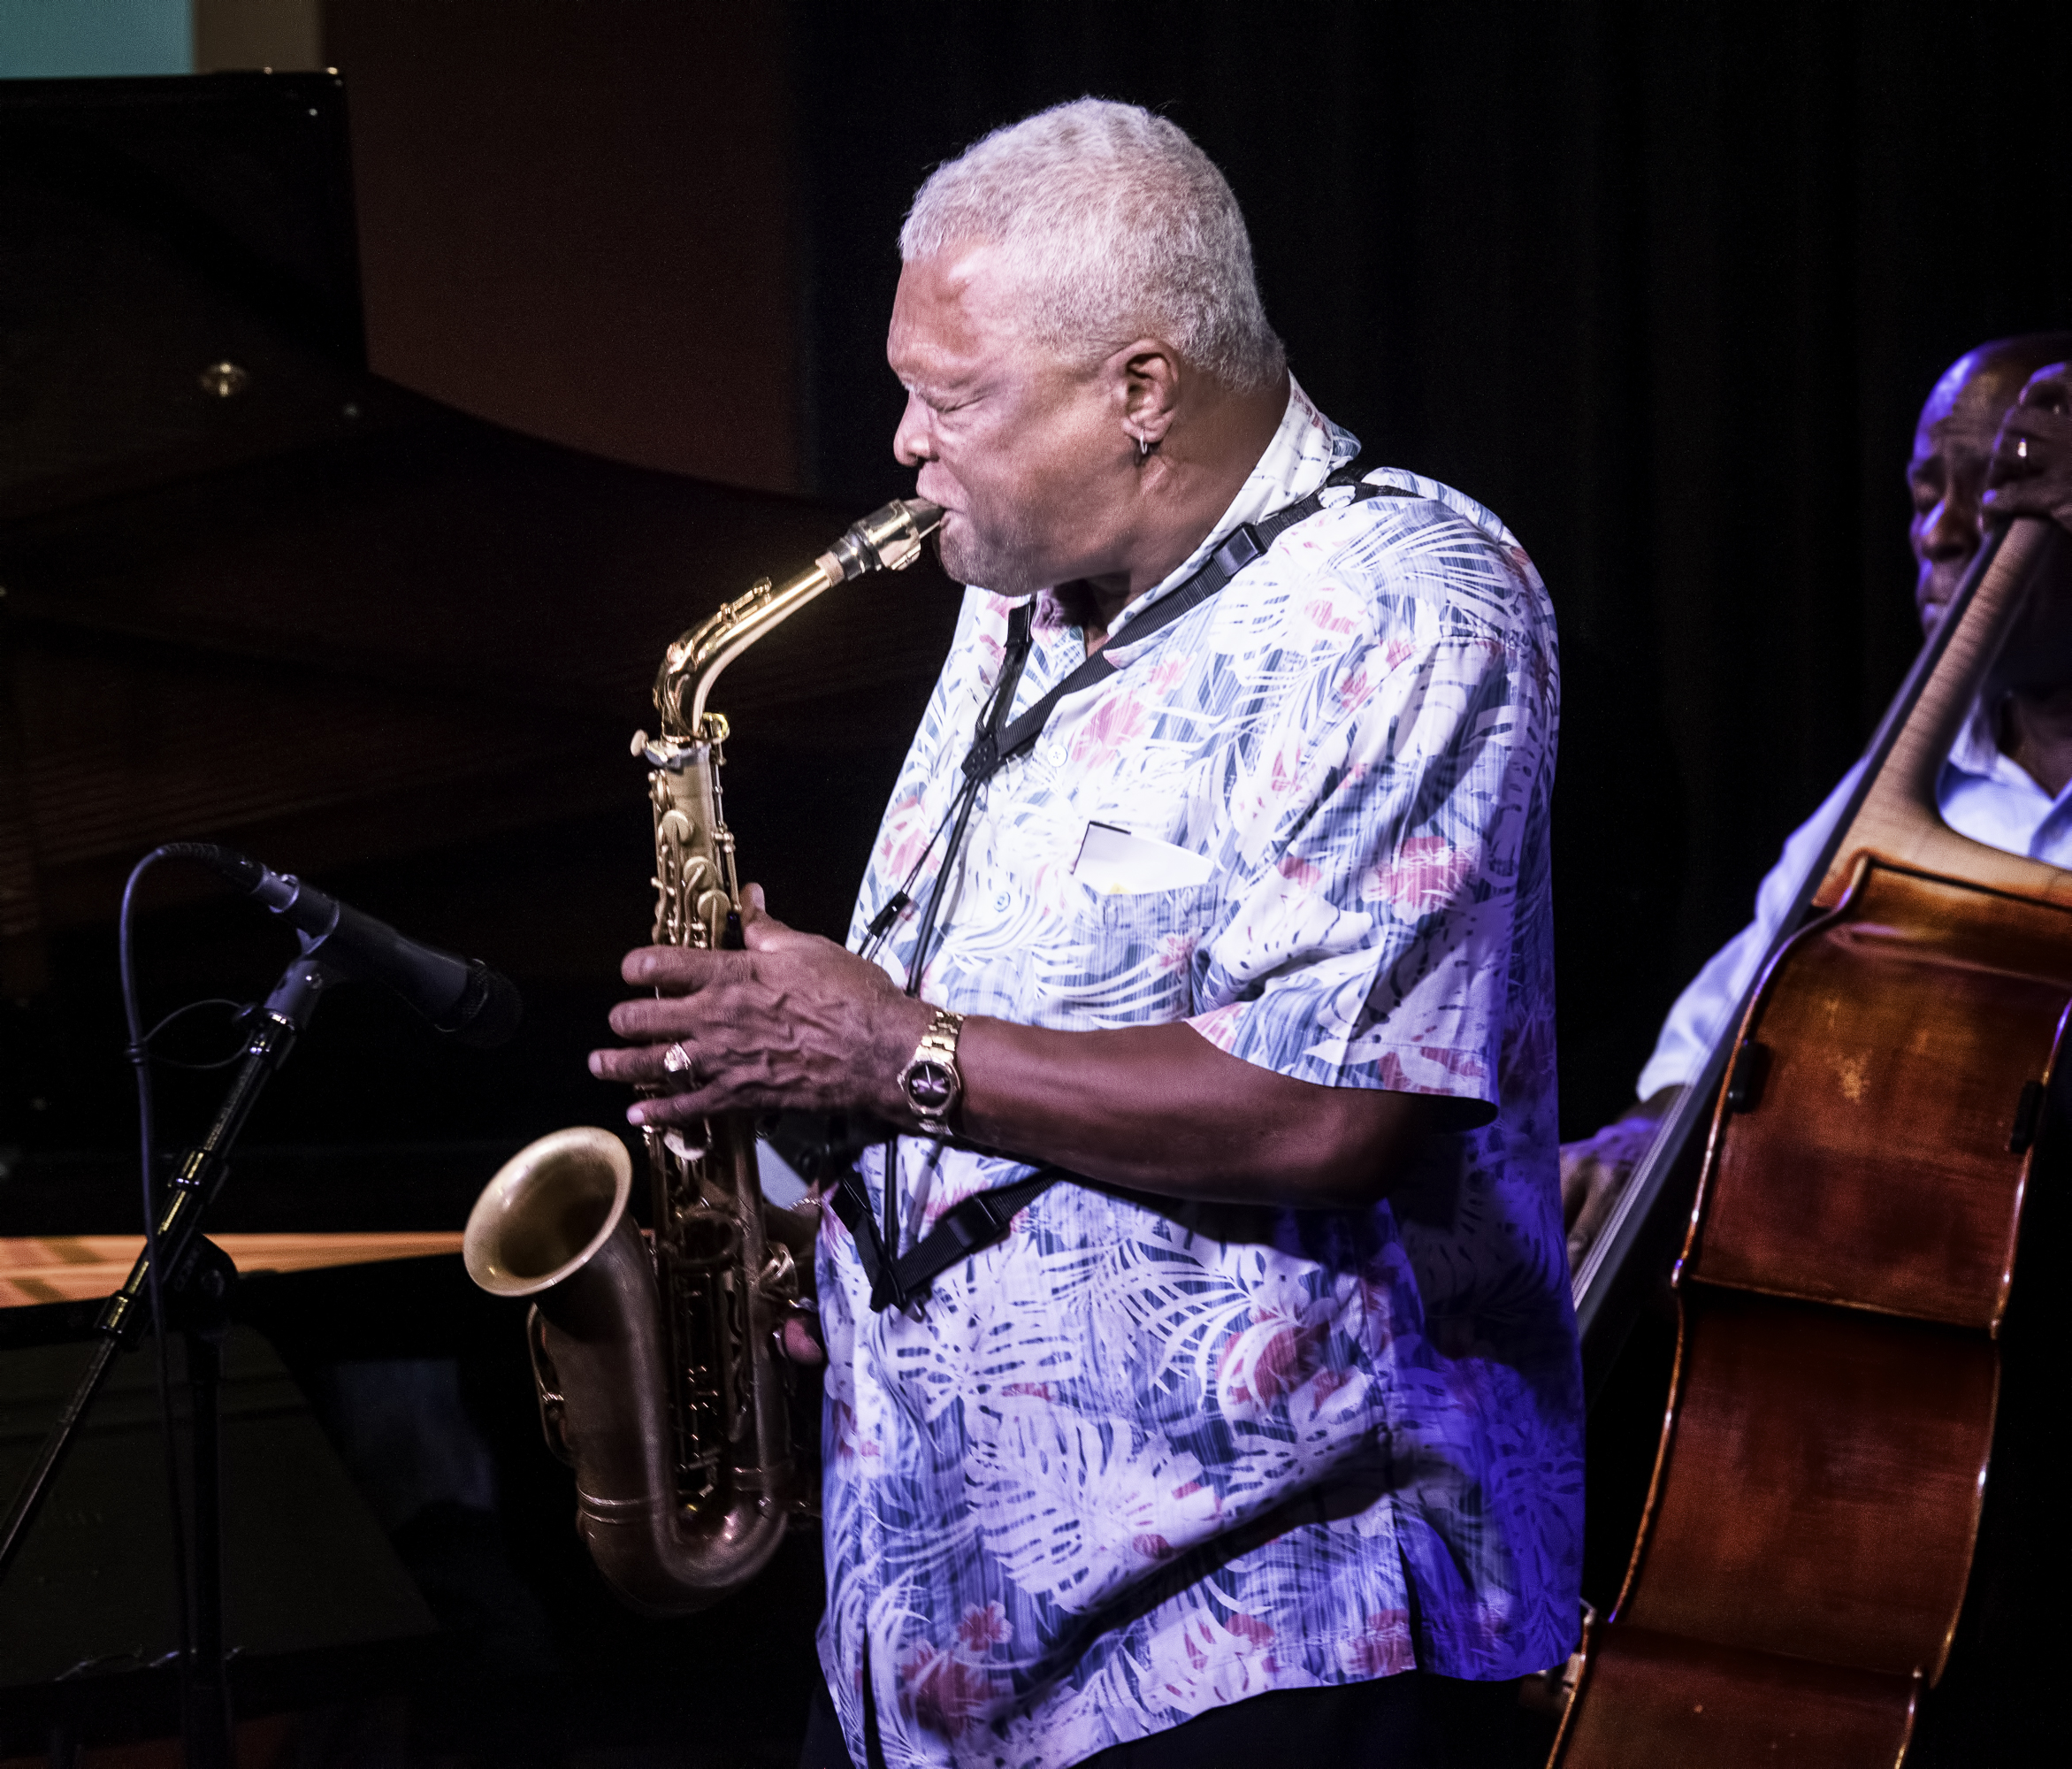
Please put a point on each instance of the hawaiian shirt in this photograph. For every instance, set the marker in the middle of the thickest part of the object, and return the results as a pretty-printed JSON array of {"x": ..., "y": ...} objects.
[
  {"x": 1142, "y": 1458},
  {"x": 1980, "y": 792}
]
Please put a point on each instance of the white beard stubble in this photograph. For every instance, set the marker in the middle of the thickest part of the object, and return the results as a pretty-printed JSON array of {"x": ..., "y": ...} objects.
[{"x": 999, "y": 560}]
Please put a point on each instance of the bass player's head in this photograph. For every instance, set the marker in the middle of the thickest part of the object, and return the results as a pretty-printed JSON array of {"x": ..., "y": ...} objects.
[
  {"x": 1952, "y": 447},
  {"x": 1085, "y": 355}
]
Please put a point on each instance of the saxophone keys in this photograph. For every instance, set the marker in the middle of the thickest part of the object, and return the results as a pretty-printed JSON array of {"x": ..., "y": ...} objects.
[{"x": 676, "y": 1143}]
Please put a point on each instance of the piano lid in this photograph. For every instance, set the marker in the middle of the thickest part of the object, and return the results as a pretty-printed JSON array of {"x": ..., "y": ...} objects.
[{"x": 254, "y": 593}]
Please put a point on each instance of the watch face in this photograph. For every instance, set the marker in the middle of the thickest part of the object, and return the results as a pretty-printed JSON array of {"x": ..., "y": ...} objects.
[{"x": 930, "y": 1085}]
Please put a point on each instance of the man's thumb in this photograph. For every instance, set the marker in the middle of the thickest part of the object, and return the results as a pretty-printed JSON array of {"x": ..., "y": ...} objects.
[{"x": 759, "y": 930}]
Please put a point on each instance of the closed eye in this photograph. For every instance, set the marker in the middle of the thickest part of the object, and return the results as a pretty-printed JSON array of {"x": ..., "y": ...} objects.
[{"x": 934, "y": 398}]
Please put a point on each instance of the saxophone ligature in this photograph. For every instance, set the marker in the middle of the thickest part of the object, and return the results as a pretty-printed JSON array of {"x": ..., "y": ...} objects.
[{"x": 659, "y": 1375}]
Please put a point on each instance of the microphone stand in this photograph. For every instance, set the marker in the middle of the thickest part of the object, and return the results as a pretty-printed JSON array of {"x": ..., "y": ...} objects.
[{"x": 195, "y": 1279}]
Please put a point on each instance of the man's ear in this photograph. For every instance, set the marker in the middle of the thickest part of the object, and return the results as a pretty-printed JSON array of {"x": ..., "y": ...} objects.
[{"x": 1149, "y": 376}]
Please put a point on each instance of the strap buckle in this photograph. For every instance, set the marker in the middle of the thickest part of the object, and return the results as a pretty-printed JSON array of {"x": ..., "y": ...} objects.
[
  {"x": 1238, "y": 551},
  {"x": 982, "y": 1218},
  {"x": 983, "y": 757}
]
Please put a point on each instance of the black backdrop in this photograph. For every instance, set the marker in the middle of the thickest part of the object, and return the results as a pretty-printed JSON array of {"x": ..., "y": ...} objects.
[{"x": 1663, "y": 285}]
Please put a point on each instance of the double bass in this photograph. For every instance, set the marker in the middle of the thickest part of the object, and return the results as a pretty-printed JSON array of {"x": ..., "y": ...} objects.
[{"x": 1848, "y": 1179}]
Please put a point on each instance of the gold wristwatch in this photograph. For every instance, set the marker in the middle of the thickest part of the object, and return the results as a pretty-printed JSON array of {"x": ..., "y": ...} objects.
[{"x": 931, "y": 1081}]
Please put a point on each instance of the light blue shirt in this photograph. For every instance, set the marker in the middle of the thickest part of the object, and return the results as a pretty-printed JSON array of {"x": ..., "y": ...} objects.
[{"x": 1981, "y": 793}]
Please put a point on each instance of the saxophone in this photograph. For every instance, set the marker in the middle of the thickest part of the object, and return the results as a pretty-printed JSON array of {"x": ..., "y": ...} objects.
[{"x": 659, "y": 1375}]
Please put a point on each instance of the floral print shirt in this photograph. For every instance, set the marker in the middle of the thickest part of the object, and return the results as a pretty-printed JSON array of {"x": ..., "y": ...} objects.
[{"x": 1142, "y": 1458}]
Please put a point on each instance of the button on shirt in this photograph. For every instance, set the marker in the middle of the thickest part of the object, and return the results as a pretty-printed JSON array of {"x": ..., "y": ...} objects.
[
  {"x": 1980, "y": 792},
  {"x": 1141, "y": 1458}
]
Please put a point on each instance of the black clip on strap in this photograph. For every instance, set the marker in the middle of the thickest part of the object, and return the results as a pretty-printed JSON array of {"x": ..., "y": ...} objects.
[{"x": 977, "y": 1222}]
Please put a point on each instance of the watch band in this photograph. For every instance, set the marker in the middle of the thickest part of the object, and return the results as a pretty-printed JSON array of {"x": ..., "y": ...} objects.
[{"x": 932, "y": 1081}]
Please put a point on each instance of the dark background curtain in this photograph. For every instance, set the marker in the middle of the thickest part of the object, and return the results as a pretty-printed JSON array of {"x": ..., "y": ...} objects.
[{"x": 1664, "y": 286}]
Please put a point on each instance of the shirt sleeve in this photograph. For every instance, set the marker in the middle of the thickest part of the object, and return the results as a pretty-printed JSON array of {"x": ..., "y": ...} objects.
[
  {"x": 1700, "y": 1018},
  {"x": 1369, "y": 945}
]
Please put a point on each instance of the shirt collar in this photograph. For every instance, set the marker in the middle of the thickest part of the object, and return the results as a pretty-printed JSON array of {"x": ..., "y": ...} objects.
[
  {"x": 1305, "y": 450},
  {"x": 1977, "y": 750},
  {"x": 1977, "y": 753}
]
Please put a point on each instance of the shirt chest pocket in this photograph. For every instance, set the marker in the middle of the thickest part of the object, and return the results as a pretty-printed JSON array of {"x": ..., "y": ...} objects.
[{"x": 1127, "y": 959}]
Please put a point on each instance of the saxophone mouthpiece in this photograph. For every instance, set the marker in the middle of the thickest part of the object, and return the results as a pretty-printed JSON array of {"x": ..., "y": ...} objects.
[{"x": 887, "y": 539}]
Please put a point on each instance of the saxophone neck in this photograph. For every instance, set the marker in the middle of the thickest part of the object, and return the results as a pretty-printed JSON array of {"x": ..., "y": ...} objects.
[{"x": 888, "y": 539}]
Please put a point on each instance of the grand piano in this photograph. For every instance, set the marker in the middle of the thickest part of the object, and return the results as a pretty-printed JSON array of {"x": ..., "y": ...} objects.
[{"x": 251, "y": 593}]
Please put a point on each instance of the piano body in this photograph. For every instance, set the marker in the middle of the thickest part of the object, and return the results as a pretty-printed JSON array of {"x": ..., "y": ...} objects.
[{"x": 251, "y": 593}]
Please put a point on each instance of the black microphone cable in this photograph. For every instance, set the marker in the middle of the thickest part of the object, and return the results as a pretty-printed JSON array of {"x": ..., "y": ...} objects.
[{"x": 140, "y": 1056}]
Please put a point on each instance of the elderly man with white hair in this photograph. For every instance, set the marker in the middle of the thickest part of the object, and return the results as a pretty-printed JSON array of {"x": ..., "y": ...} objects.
[{"x": 1240, "y": 1415}]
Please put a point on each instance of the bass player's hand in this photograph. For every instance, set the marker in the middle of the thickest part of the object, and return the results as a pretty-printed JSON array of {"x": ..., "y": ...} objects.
[
  {"x": 2031, "y": 472},
  {"x": 1595, "y": 1171}
]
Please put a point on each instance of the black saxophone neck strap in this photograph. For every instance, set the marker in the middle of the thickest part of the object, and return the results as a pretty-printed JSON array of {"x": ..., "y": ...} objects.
[
  {"x": 978, "y": 1221},
  {"x": 899, "y": 1279},
  {"x": 999, "y": 741}
]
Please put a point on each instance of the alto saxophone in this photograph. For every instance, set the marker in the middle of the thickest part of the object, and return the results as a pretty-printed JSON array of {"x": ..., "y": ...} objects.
[{"x": 659, "y": 1375}]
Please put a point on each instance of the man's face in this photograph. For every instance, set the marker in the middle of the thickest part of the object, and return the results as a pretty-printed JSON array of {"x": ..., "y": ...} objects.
[
  {"x": 1026, "y": 452},
  {"x": 1953, "y": 446}
]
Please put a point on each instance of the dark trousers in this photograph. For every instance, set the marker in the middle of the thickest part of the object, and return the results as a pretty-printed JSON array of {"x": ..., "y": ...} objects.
[{"x": 1412, "y": 1720}]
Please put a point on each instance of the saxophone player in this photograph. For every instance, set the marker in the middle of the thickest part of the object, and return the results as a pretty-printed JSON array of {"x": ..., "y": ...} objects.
[{"x": 1250, "y": 1422}]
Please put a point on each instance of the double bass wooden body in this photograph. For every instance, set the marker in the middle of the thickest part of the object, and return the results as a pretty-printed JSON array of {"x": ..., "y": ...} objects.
[{"x": 1809, "y": 1531}]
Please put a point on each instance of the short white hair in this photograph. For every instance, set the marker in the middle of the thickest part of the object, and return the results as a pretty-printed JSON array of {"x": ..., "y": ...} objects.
[{"x": 1119, "y": 227}]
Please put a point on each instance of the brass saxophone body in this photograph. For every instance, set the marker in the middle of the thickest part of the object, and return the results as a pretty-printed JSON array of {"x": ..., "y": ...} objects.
[{"x": 659, "y": 1375}]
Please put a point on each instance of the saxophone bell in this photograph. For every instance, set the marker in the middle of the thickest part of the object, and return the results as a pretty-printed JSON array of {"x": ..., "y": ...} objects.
[{"x": 555, "y": 1225}]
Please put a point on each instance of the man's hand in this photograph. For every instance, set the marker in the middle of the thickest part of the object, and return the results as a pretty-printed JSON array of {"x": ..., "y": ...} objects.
[
  {"x": 2031, "y": 472},
  {"x": 1595, "y": 1172},
  {"x": 793, "y": 1021}
]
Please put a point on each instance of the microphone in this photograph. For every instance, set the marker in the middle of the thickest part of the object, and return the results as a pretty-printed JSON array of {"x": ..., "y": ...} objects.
[{"x": 459, "y": 995}]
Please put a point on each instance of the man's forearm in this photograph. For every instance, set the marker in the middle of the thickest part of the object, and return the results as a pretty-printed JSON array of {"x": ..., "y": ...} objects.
[{"x": 1160, "y": 1109}]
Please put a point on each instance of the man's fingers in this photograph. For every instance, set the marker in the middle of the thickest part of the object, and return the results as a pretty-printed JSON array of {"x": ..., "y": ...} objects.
[
  {"x": 1593, "y": 1174},
  {"x": 658, "y": 1021},
  {"x": 2020, "y": 497},
  {"x": 800, "y": 1346},
  {"x": 1576, "y": 1166},
  {"x": 675, "y": 969},
  {"x": 2043, "y": 420},
  {"x": 641, "y": 1065},
  {"x": 2048, "y": 389},
  {"x": 673, "y": 1109},
  {"x": 1606, "y": 1185},
  {"x": 2027, "y": 434}
]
